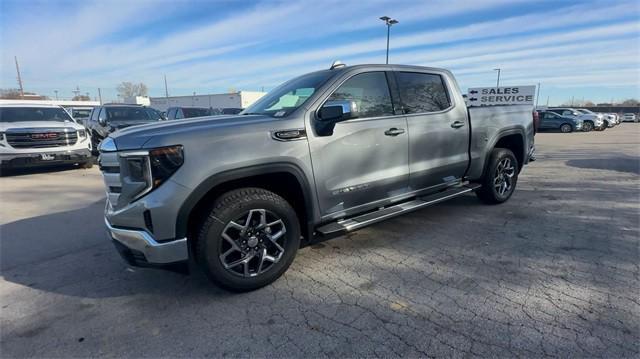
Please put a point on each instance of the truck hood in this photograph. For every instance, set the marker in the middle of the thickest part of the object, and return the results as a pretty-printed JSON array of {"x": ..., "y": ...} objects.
[
  {"x": 135, "y": 137},
  {"x": 4, "y": 126}
]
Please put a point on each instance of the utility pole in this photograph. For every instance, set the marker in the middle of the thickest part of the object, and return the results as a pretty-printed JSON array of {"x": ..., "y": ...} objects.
[
  {"x": 389, "y": 22},
  {"x": 76, "y": 91},
  {"x": 56, "y": 91},
  {"x": 498, "y": 82},
  {"x": 166, "y": 89},
  {"x": 19, "y": 78},
  {"x": 537, "y": 95},
  {"x": 100, "y": 95}
]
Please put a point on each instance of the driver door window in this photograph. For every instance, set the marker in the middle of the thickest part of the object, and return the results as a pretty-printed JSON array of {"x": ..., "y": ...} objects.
[{"x": 369, "y": 91}]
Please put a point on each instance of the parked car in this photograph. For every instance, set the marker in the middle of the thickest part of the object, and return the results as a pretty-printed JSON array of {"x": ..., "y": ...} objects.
[
  {"x": 613, "y": 119},
  {"x": 80, "y": 113},
  {"x": 607, "y": 123},
  {"x": 629, "y": 117},
  {"x": 106, "y": 119},
  {"x": 177, "y": 113},
  {"x": 38, "y": 135},
  {"x": 552, "y": 121},
  {"x": 590, "y": 121},
  {"x": 323, "y": 154}
]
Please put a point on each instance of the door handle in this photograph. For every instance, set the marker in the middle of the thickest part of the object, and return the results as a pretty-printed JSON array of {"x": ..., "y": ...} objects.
[
  {"x": 394, "y": 131},
  {"x": 457, "y": 124}
]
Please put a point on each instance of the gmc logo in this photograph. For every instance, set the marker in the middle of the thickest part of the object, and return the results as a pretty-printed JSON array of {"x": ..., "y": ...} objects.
[{"x": 44, "y": 136}]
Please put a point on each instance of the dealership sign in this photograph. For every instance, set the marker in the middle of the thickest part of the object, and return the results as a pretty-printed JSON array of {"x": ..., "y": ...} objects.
[{"x": 506, "y": 95}]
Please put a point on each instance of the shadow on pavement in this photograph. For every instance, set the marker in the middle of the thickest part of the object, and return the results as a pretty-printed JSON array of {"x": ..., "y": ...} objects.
[
  {"x": 23, "y": 171},
  {"x": 619, "y": 164}
]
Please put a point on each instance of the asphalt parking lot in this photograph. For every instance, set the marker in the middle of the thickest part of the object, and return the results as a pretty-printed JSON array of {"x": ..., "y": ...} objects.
[{"x": 553, "y": 272}]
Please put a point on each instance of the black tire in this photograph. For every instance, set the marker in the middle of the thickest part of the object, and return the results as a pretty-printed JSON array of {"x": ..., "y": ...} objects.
[
  {"x": 566, "y": 128},
  {"x": 231, "y": 207},
  {"x": 587, "y": 126},
  {"x": 95, "y": 142},
  {"x": 87, "y": 164},
  {"x": 488, "y": 193}
]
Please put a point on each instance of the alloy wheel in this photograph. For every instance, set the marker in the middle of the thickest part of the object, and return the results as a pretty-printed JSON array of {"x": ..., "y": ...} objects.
[
  {"x": 503, "y": 176},
  {"x": 252, "y": 243}
]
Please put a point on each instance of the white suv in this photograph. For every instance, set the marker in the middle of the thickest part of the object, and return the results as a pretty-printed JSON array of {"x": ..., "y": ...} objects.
[{"x": 36, "y": 135}]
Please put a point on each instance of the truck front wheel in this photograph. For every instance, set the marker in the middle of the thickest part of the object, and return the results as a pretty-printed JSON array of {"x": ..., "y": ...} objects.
[
  {"x": 500, "y": 178},
  {"x": 248, "y": 239}
]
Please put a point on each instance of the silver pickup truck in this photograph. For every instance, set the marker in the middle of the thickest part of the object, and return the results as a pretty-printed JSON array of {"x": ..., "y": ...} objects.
[{"x": 322, "y": 154}]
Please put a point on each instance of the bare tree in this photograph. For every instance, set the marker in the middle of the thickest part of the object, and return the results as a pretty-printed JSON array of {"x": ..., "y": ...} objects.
[
  {"x": 129, "y": 89},
  {"x": 631, "y": 102},
  {"x": 81, "y": 98},
  {"x": 10, "y": 94}
]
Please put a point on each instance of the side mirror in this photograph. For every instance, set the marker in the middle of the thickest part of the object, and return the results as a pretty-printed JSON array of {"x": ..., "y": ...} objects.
[
  {"x": 102, "y": 121},
  {"x": 333, "y": 112}
]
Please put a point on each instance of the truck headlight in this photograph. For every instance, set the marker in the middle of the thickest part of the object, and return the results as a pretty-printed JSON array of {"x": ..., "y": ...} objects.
[
  {"x": 144, "y": 171},
  {"x": 82, "y": 134},
  {"x": 164, "y": 162}
]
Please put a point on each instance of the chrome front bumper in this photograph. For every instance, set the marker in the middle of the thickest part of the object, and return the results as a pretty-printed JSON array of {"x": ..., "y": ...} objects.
[{"x": 154, "y": 252}]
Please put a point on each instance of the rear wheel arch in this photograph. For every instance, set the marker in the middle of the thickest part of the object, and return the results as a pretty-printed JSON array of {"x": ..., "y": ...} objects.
[
  {"x": 284, "y": 179},
  {"x": 513, "y": 140}
]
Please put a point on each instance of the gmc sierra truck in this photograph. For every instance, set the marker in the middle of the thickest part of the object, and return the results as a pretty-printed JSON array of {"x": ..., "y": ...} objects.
[{"x": 323, "y": 154}]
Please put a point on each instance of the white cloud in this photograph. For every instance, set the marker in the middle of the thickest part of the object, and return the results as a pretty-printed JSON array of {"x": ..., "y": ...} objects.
[{"x": 245, "y": 49}]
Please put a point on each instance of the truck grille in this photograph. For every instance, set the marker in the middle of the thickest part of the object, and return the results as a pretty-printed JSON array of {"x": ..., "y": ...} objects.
[
  {"x": 110, "y": 167},
  {"x": 41, "y": 137}
]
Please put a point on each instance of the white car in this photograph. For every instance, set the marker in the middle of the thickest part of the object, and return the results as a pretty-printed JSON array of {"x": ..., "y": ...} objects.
[
  {"x": 629, "y": 117},
  {"x": 591, "y": 121},
  {"x": 37, "y": 135},
  {"x": 612, "y": 118}
]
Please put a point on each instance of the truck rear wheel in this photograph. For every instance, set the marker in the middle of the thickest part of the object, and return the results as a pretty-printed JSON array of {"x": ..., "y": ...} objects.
[
  {"x": 500, "y": 178},
  {"x": 248, "y": 240}
]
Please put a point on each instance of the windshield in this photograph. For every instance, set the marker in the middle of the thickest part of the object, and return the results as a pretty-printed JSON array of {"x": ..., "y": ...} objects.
[
  {"x": 584, "y": 111},
  {"x": 195, "y": 112},
  {"x": 287, "y": 97},
  {"x": 19, "y": 114},
  {"x": 127, "y": 114}
]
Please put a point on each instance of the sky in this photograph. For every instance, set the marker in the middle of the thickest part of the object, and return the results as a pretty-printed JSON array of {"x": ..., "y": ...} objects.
[{"x": 575, "y": 49}]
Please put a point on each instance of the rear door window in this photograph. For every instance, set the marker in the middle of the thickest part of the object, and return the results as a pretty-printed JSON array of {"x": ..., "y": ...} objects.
[{"x": 420, "y": 92}]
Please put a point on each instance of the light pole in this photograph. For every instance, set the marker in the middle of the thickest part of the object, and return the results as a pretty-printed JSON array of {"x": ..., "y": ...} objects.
[
  {"x": 498, "y": 82},
  {"x": 56, "y": 91},
  {"x": 389, "y": 22}
]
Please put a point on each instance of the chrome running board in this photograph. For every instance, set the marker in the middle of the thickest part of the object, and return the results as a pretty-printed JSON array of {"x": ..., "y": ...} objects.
[{"x": 353, "y": 223}]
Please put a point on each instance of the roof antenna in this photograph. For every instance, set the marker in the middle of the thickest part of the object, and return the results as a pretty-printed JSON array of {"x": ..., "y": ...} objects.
[{"x": 337, "y": 64}]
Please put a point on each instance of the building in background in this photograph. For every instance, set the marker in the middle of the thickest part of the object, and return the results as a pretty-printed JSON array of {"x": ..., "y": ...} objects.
[
  {"x": 240, "y": 99},
  {"x": 137, "y": 100},
  {"x": 64, "y": 103}
]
